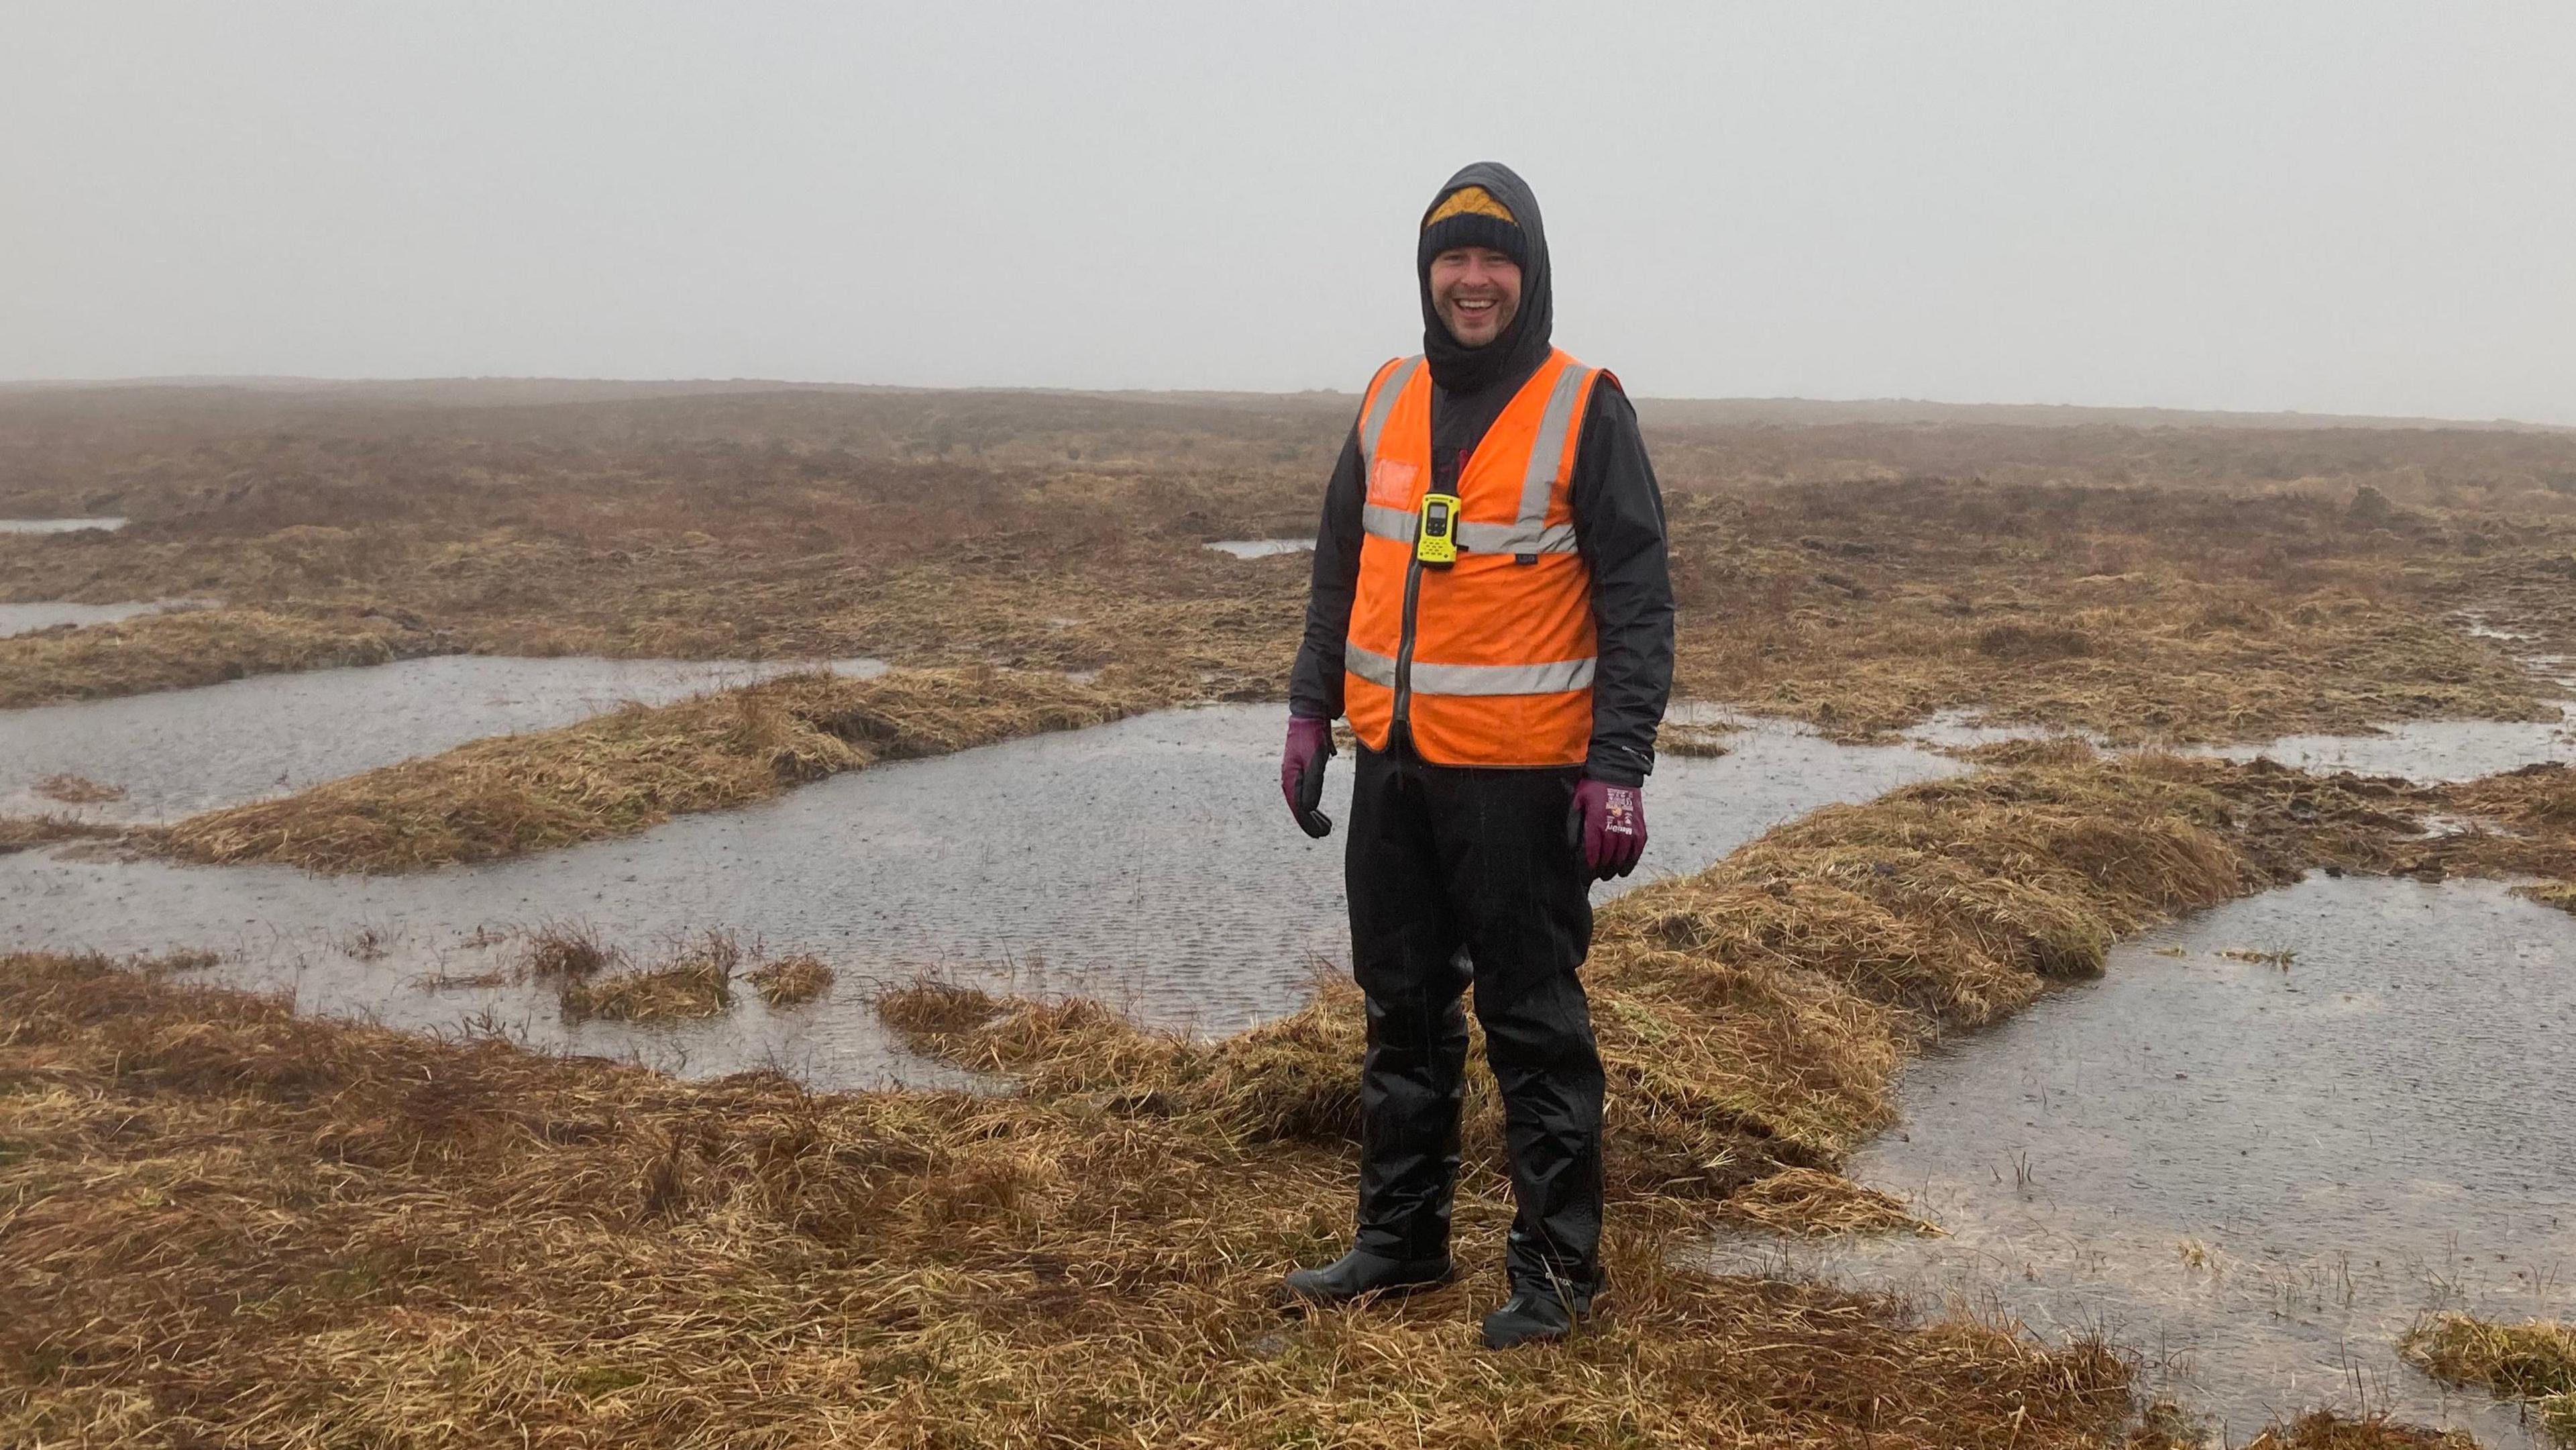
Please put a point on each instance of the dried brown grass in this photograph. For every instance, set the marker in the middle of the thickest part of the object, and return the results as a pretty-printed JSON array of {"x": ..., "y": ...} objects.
[
  {"x": 187, "y": 648},
  {"x": 1811, "y": 1204},
  {"x": 25, "y": 833},
  {"x": 791, "y": 981},
  {"x": 228, "y": 1224},
  {"x": 2535, "y": 1361},
  {"x": 633, "y": 768},
  {"x": 2187, "y": 582},
  {"x": 696, "y": 982},
  {"x": 2325, "y": 1430}
]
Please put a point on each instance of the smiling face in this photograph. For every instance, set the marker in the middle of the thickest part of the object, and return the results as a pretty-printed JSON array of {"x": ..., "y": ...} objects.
[{"x": 1476, "y": 291}]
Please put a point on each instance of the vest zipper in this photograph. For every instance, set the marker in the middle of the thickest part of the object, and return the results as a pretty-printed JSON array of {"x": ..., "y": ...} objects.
[{"x": 1404, "y": 650}]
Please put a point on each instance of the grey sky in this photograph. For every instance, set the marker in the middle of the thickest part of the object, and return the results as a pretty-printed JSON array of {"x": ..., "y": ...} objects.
[{"x": 2332, "y": 207}]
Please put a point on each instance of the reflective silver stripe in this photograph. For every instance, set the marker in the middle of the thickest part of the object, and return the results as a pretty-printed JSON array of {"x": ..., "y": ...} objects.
[
  {"x": 1397, "y": 525},
  {"x": 1512, "y": 539},
  {"x": 1538, "y": 485},
  {"x": 1369, "y": 665},
  {"x": 1387, "y": 523},
  {"x": 1547, "y": 679},
  {"x": 1383, "y": 404}
]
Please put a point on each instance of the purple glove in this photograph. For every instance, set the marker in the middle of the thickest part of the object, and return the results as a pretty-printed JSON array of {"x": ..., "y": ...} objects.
[
  {"x": 1609, "y": 823},
  {"x": 1301, "y": 773}
]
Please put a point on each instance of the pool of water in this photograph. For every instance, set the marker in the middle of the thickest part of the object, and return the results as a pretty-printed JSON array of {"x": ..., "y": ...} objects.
[
  {"x": 57, "y": 526},
  {"x": 2426, "y": 751},
  {"x": 46, "y": 614},
  {"x": 1260, "y": 548},
  {"x": 1148, "y": 863},
  {"x": 2258, "y": 1177},
  {"x": 180, "y": 751}
]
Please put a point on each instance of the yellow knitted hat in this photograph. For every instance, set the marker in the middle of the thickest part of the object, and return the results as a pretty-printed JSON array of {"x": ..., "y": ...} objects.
[{"x": 1469, "y": 201}]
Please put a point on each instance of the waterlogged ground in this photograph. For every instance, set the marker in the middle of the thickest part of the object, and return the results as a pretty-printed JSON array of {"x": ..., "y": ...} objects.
[
  {"x": 2259, "y": 1176},
  {"x": 2427, "y": 751},
  {"x": 28, "y": 618},
  {"x": 1148, "y": 863},
  {"x": 182, "y": 751}
]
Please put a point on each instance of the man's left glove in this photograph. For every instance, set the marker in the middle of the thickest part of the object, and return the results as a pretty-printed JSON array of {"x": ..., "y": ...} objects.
[
  {"x": 1608, "y": 823},
  {"x": 1301, "y": 773}
]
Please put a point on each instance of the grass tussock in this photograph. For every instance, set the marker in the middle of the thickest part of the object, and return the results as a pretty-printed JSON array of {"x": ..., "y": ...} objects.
[
  {"x": 186, "y": 648},
  {"x": 697, "y": 982},
  {"x": 223, "y": 1216},
  {"x": 25, "y": 833},
  {"x": 633, "y": 768},
  {"x": 567, "y": 951},
  {"x": 2534, "y": 1361},
  {"x": 1812, "y": 1204},
  {"x": 791, "y": 981}
]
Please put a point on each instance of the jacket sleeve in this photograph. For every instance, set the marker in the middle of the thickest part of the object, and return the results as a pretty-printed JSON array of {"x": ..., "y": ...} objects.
[
  {"x": 1315, "y": 683},
  {"x": 1619, "y": 528}
]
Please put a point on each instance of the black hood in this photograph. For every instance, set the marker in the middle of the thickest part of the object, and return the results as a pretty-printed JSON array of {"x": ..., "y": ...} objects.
[{"x": 1525, "y": 344}]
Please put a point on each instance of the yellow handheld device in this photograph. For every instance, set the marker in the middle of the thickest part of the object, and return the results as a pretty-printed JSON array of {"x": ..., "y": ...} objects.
[{"x": 1436, "y": 542}]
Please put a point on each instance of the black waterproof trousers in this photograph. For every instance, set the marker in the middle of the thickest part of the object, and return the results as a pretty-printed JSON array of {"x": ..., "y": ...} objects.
[{"x": 1456, "y": 874}]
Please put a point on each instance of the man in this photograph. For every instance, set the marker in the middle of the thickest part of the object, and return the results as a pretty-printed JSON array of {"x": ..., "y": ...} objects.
[{"x": 1492, "y": 610}]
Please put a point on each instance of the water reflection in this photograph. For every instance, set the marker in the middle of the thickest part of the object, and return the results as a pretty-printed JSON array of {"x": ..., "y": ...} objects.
[
  {"x": 2258, "y": 1176},
  {"x": 1148, "y": 863},
  {"x": 180, "y": 751}
]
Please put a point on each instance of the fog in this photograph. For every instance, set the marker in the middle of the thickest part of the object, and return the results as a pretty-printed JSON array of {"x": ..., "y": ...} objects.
[{"x": 2337, "y": 207}]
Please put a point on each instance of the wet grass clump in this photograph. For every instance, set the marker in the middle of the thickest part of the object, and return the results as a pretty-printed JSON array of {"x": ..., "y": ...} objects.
[
  {"x": 2534, "y": 1361},
  {"x": 695, "y": 983},
  {"x": 568, "y": 951},
  {"x": 25, "y": 833},
  {"x": 622, "y": 772},
  {"x": 791, "y": 981},
  {"x": 1812, "y": 1204}
]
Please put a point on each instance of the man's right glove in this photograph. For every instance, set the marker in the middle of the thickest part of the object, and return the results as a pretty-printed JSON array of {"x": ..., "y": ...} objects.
[
  {"x": 1608, "y": 824},
  {"x": 1301, "y": 773}
]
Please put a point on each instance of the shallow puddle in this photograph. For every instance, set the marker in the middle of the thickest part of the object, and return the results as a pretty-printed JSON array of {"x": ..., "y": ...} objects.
[
  {"x": 1148, "y": 863},
  {"x": 2258, "y": 1177},
  {"x": 2426, "y": 751},
  {"x": 57, "y": 526},
  {"x": 28, "y": 618},
  {"x": 1260, "y": 548},
  {"x": 181, "y": 751}
]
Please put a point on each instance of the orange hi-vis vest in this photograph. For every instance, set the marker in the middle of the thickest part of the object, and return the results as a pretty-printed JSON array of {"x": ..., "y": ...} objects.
[{"x": 1487, "y": 661}]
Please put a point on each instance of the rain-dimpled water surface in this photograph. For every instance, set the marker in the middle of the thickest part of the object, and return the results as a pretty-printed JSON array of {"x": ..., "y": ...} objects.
[
  {"x": 2259, "y": 1177},
  {"x": 1149, "y": 863},
  {"x": 181, "y": 751}
]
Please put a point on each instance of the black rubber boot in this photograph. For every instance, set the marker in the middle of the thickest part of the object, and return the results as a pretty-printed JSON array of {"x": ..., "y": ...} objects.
[
  {"x": 1537, "y": 1314},
  {"x": 1359, "y": 1273}
]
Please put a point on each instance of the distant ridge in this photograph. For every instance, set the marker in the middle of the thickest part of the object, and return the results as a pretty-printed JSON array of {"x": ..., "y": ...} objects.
[{"x": 1665, "y": 412}]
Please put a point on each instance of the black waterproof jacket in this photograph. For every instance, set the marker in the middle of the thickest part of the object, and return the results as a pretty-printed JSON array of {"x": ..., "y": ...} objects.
[{"x": 1618, "y": 511}]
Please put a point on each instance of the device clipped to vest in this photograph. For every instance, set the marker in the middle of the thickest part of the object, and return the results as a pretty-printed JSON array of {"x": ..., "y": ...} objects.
[{"x": 1436, "y": 542}]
